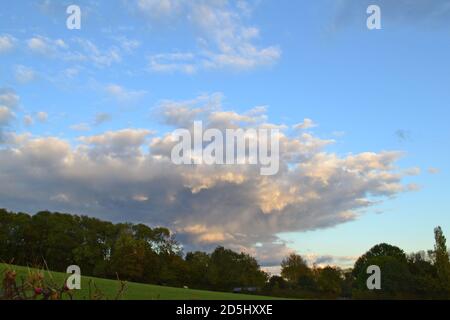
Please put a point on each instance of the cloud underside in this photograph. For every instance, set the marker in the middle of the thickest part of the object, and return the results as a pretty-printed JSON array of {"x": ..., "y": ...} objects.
[{"x": 128, "y": 175}]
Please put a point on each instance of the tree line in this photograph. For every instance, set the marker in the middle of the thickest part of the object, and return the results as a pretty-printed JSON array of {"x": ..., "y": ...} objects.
[{"x": 136, "y": 252}]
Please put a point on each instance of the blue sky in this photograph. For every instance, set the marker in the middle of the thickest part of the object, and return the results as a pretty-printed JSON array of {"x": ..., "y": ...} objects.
[{"x": 370, "y": 91}]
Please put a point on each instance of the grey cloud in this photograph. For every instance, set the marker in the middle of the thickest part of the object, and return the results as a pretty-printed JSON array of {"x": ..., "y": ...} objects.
[
  {"x": 403, "y": 135},
  {"x": 101, "y": 118},
  {"x": 119, "y": 176},
  {"x": 331, "y": 260}
]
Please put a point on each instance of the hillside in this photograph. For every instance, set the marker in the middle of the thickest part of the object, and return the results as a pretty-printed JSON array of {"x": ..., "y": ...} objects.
[{"x": 135, "y": 291}]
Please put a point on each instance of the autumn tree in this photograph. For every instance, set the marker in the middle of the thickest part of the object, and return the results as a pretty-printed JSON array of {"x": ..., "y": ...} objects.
[{"x": 295, "y": 269}]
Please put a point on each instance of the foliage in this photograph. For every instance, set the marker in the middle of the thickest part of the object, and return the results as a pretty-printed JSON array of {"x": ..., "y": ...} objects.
[{"x": 139, "y": 253}]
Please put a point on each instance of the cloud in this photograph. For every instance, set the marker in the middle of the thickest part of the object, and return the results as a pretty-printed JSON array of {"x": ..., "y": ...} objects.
[
  {"x": 127, "y": 175},
  {"x": 123, "y": 95},
  {"x": 330, "y": 260},
  {"x": 128, "y": 45},
  {"x": 24, "y": 74},
  {"x": 306, "y": 124},
  {"x": 81, "y": 127},
  {"x": 173, "y": 62},
  {"x": 403, "y": 135},
  {"x": 46, "y": 46},
  {"x": 5, "y": 115},
  {"x": 101, "y": 118},
  {"x": 160, "y": 9},
  {"x": 42, "y": 116},
  {"x": 224, "y": 40},
  {"x": 434, "y": 171},
  {"x": 28, "y": 120},
  {"x": 100, "y": 58},
  {"x": 9, "y": 101},
  {"x": 9, "y": 98},
  {"x": 7, "y": 43},
  {"x": 80, "y": 50},
  {"x": 123, "y": 143}
]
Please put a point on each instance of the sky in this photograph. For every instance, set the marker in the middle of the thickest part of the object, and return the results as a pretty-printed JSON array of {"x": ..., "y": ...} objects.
[{"x": 86, "y": 118}]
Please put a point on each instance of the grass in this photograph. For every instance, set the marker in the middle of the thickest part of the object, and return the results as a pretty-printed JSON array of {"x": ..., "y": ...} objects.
[{"x": 134, "y": 291}]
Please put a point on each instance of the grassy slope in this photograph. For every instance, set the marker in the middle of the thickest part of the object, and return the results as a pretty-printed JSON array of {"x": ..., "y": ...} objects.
[{"x": 136, "y": 291}]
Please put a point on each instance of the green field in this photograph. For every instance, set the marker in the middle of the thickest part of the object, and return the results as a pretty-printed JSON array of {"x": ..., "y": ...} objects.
[{"x": 134, "y": 291}]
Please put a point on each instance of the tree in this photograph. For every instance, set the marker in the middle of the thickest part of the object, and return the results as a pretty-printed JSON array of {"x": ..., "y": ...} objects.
[
  {"x": 294, "y": 269},
  {"x": 380, "y": 250},
  {"x": 329, "y": 281},
  {"x": 426, "y": 283},
  {"x": 396, "y": 279},
  {"x": 442, "y": 259},
  {"x": 128, "y": 256},
  {"x": 198, "y": 264},
  {"x": 228, "y": 270},
  {"x": 276, "y": 283}
]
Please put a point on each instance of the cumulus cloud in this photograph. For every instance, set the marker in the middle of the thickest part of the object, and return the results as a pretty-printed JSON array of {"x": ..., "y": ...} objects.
[
  {"x": 127, "y": 175},
  {"x": 224, "y": 39}
]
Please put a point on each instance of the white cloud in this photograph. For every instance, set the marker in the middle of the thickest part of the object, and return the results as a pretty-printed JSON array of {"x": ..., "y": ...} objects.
[
  {"x": 224, "y": 40},
  {"x": 173, "y": 62},
  {"x": 128, "y": 45},
  {"x": 7, "y": 43},
  {"x": 80, "y": 50},
  {"x": 45, "y": 46},
  {"x": 101, "y": 58},
  {"x": 306, "y": 124},
  {"x": 123, "y": 95}
]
